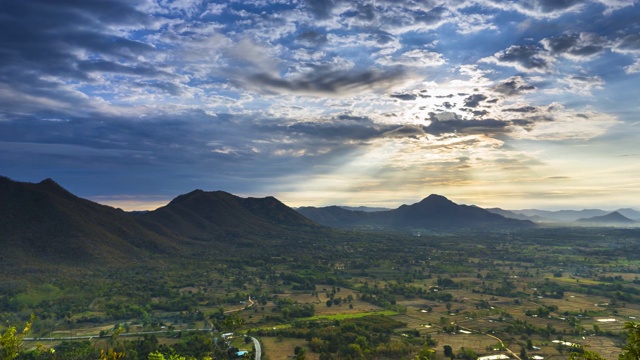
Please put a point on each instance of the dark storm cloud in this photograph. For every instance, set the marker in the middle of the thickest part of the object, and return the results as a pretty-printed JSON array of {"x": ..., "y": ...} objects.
[
  {"x": 525, "y": 57},
  {"x": 325, "y": 81},
  {"x": 474, "y": 100},
  {"x": 513, "y": 86},
  {"x": 45, "y": 39}
]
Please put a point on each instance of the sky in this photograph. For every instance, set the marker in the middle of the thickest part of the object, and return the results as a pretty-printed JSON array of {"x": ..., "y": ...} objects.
[{"x": 512, "y": 104}]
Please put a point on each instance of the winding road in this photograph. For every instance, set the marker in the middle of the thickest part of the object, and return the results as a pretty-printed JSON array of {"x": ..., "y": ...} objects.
[{"x": 256, "y": 344}]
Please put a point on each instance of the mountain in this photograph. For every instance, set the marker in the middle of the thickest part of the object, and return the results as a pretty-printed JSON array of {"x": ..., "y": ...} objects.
[
  {"x": 513, "y": 215},
  {"x": 364, "y": 208},
  {"x": 562, "y": 215},
  {"x": 44, "y": 221},
  {"x": 217, "y": 215},
  {"x": 630, "y": 213},
  {"x": 335, "y": 216},
  {"x": 614, "y": 218},
  {"x": 432, "y": 213},
  {"x": 437, "y": 211}
]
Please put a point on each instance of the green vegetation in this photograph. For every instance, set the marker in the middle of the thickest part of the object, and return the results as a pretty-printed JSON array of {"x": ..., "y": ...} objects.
[{"x": 549, "y": 292}]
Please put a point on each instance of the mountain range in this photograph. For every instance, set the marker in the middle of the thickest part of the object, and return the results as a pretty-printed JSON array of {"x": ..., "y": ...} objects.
[
  {"x": 563, "y": 216},
  {"x": 45, "y": 222},
  {"x": 435, "y": 212}
]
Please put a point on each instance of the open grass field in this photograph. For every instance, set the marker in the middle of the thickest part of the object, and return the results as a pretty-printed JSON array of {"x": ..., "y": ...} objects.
[{"x": 277, "y": 349}]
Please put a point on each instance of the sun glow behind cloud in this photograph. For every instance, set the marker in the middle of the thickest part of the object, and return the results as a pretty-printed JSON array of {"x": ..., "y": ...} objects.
[{"x": 322, "y": 102}]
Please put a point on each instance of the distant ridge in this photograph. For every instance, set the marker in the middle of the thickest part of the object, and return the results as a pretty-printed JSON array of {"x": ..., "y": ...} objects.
[
  {"x": 513, "y": 215},
  {"x": 630, "y": 213},
  {"x": 561, "y": 215},
  {"x": 614, "y": 218},
  {"x": 434, "y": 212},
  {"x": 364, "y": 208}
]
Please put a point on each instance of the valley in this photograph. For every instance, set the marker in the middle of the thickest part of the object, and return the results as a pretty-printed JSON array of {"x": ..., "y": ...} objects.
[{"x": 313, "y": 292}]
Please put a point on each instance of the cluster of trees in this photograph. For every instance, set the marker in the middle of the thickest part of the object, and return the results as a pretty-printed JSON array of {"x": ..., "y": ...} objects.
[
  {"x": 362, "y": 338},
  {"x": 191, "y": 346},
  {"x": 386, "y": 296},
  {"x": 542, "y": 311},
  {"x": 292, "y": 309}
]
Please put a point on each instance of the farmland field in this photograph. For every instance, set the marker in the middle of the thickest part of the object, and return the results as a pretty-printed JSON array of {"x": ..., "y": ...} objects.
[{"x": 389, "y": 299}]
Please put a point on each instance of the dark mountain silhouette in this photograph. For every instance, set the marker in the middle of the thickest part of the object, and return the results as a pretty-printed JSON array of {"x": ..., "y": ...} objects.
[
  {"x": 335, "y": 216},
  {"x": 45, "y": 221},
  {"x": 211, "y": 216},
  {"x": 614, "y": 218},
  {"x": 437, "y": 211},
  {"x": 434, "y": 212}
]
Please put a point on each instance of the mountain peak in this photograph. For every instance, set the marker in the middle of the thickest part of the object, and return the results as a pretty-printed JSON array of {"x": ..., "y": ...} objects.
[
  {"x": 436, "y": 197},
  {"x": 52, "y": 187},
  {"x": 434, "y": 200},
  {"x": 611, "y": 218}
]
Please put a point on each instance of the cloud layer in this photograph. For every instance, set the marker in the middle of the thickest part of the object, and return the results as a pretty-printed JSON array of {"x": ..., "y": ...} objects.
[{"x": 374, "y": 99}]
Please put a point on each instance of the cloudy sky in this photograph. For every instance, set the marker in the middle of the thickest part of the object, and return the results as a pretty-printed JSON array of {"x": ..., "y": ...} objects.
[{"x": 517, "y": 104}]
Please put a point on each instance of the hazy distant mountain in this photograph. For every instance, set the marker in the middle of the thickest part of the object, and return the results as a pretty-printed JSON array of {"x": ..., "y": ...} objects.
[
  {"x": 434, "y": 212},
  {"x": 46, "y": 222},
  {"x": 630, "y": 213},
  {"x": 513, "y": 215},
  {"x": 614, "y": 218},
  {"x": 364, "y": 208},
  {"x": 562, "y": 215}
]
